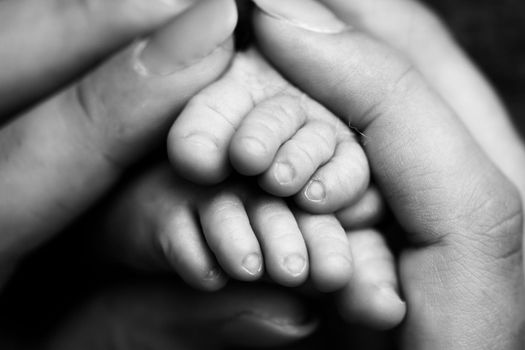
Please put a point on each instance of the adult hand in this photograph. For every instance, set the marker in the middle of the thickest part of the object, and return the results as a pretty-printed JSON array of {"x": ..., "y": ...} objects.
[
  {"x": 45, "y": 44},
  {"x": 161, "y": 315},
  {"x": 462, "y": 269},
  {"x": 60, "y": 156}
]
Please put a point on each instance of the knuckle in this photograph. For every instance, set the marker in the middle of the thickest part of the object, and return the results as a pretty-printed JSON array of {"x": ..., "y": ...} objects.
[
  {"x": 402, "y": 80},
  {"x": 407, "y": 79},
  {"x": 99, "y": 129}
]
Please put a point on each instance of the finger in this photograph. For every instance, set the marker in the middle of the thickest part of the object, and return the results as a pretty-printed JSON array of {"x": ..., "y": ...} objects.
[
  {"x": 371, "y": 297},
  {"x": 338, "y": 183},
  {"x": 45, "y": 44},
  {"x": 424, "y": 160},
  {"x": 230, "y": 236},
  {"x": 366, "y": 212},
  {"x": 135, "y": 315},
  {"x": 331, "y": 265},
  {"x": 440, "y": 60},
  {"x": 62, "y": 155},
  {"x": 199, "y": 140},
  {"x": 285, "y": 254},
  {"x": 151, "y": 225}
]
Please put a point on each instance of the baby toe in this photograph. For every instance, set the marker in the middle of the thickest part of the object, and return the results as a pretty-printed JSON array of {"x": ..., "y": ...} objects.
[
  {"x": 366, "y": 212},
  {"x": 371, "y": 297},
  {"x": 299, "y": 158},
  {"x": 270, "y": 124},
  {"x": 285, "y": 254},
  {"x": 229, "y": 234},
  {"x": 185, "y": 250},
  {"x": 331, "y": 263},
  {"x": 339, "y": 182}
]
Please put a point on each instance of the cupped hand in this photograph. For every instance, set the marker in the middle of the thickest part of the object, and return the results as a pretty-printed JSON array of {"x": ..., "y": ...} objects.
[
  {"x": 461, "y": 270},
  {"x": 166, "y": 315},
  {"x": 61, "y": 155}
]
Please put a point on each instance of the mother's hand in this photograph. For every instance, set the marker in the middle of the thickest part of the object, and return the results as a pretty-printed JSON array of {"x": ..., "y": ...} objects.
[
  {"x": 462, "y": 270},
  {"x": 58, "y": 157},
  {"x": 161, "y": 315}
]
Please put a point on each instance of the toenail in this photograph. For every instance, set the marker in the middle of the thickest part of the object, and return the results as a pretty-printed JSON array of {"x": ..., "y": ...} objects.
[
  {"x": 213, "y": 274},
  {"x": 254, "y": 146},
  {"x": 204, "y": 141},
  {"x": 295, "y": 264},
  {"x": 315, "y": 191},
  {"x": 252, "y": 264},
  {"x": 284, "y": 173}
]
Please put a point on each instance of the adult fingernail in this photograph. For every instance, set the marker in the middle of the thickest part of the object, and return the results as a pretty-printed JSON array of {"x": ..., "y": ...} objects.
[
  {"x": 252, "y": 264},
  {"x": 295, "y": 264},
  {"x": 307, "y": 14},
  {"x": 284, "y": 173},
  {"x": 188, "y": 38},
  {"x": 315, "y": 191}
]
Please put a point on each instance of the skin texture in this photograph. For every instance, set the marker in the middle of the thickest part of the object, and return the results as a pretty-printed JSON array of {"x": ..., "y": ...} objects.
[
  {"x": 104, "y": 117},
  {"x": 26, "y": 79},
  {"x": 85, "y": 132},
  {"x": 461, "y": 226},
  {"x": 434, "y": 341},
  {"x": 207, "y": 234},
  {"x": 255, "y": 120}
]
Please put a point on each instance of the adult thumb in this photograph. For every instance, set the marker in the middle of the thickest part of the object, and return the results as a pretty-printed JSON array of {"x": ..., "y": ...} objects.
[
  {"x": 430, "y": 169},
  {"x": 462, "y": 216},
  {"x": 79, "y": 142}
]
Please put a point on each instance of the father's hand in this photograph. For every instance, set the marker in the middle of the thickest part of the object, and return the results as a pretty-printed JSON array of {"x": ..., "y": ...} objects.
[
  {"x": 462, "y": 273},
  {"x": 57, "y": 158}
]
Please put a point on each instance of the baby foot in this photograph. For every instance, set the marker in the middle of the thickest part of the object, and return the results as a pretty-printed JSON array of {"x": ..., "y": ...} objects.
[
  {"x": 209, "y": 233},
  {"x": 253, "y": 119}
]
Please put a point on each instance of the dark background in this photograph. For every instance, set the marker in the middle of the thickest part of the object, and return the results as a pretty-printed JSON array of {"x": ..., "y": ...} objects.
[{"x": 493, "y": 33}]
